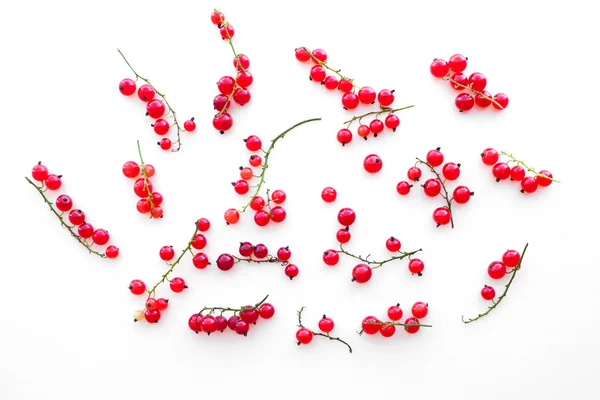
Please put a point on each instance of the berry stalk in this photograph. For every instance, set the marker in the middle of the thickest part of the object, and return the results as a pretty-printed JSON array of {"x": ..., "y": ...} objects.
[
  {"x": 503, "y": 295},
  {"x": 265, "y": 164},
  {"x": 164, "y": 98},
  {"x": 335, "y": 71},
  {"x": 269, "y": 260},
  {"x": 234, "y": 310},
  {"x": 444, "y": 194},
  {"x": 376, "y": 113},
  {"x": 299, "y": 312},
  {"x": 448, "y": 78},
  {"x": 378, "y": 264},
  {"x": 225, "y": 25},
  {"x": 522, "y": 164},
  {"x": 143, "y": 172},
  {"x": 70, "y": 228},
  {"x": 394, "y": 323}
]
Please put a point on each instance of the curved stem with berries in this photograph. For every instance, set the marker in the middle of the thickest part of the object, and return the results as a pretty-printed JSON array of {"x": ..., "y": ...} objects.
[
  {"x": 326, "y": 66},
  {"x": 503, "y": 295},
  {"x": 445, "y": 195},
  {"x": 337, "y": 339},
  {"x": 265, "y": 164},
  {"x": 378, "y": 264},
  {"x": 172, "y": 112},
  {"x": 383, "y": 110},
  {"x": 234, "y": 310},
  {"x": 269, "y": 260},
  {"x": 145, "y": 177},
  {"x": 478, "y": 93},
  {"x": 406, "y": 326},
  {"x": 522, "y": 164},
  {"x": 70, "y": 228}
]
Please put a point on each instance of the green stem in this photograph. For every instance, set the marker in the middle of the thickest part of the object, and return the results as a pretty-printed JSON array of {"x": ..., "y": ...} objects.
[
  {"x": 503, "y": 295},
  {"x": 143, "y": 172},
  {"x": 445, "y": 195},
  {"x": 269, "y": 260},
  {"x": 379, "y": 264},
  {"x": 447, "y": 78},
  {"x": 70, "y": 228},
  {"x": 522, "y": 164},
  {"x": 235, "y": 310},
  {"x": 396, "y": 324},
  {"x": 266, "y": 160},
  {"x": 337, "y": 339},
  {"x": 377, "y": 113},
  {"x": 335, "y": 71}
]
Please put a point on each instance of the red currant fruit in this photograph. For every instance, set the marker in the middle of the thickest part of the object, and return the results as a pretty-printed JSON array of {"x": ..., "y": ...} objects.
[
  {"x": 141, "y": 188},
  {"x": 331, "y": 257},
  {"x": 477, "y": 81},
  {"x": 529, "y": 185},
  {"x": 152, "y": 316},
  {"x": 317, "y": 73},
  {"x": 76, "y": 217},
  {"x": 151, "y": 304},
  {"x": 225, "y": 262},
  {"x": 227, "y": 32},
  {"x": 199, "y": 242},
  {"x": 100, "y": 237},
  {"x": 517, "y": 173},
  {"x": 53, "y": 182},
  {"x": 241, "y": 96},
  {"x": 419, "y": 310},
  {"x": 367, "y": 95},
  {"x": 255, "y": 160},
  {"x": 242, "y": 328},
  {"x": 149, "y": 171},
  {"x": 412, "y": 329},
  {"x": 232, "y": 321},
  {"x": 414, "y": 174},
  {"x": 177, "y": 285},
  {"x": 85, "y": 230},
  {"x": 262, "y": 218},
  {"x": 372, "y": 164},
  {"x": 291, "y": 271},
  {"x": 137, "y": 287},
  {"x": 439, "y": 68},
  {"x": 350, "y": 101},
  {"x": 253, "y": 143},
  {"x": 392, "y": 122},
  {"x": 442, "y": 216},
  {"x": 266, "y": 311},
  {"x": 261, "y": 251},
  {"x": 146, "y": 93},
  {"x": 278, "y": 214},
  {"x": 200, "y": 261},
  {"x": 416, "y": 266},
  {"x": 387, "y": 330},
  {"x": 457, "y": 63},
  {"x": 127, "y": 87},
  {"x": 435, "y": 157},
  {"x": 161, "y": 127},
  {"x": 459, "y": 82},
  {"x": 395, "y": 313},
  {"x": 257, "y": 203},
  {"x": 376, "y": 126},
  {"x": 249, "y": 315},
  {"x": 343, "y": 236},
  {"x": 331, "y": 83},
  {"x": 189, "y": 125},
  {"x": 501, "y": 101},
  {"x": 217, "y": 17},
  {"x": 544, "y": 182},
  {"x": 344, "y": 136},
  {"x": 220, "y": 323},
  {"x": 155, "y": 109},
  {"x": 346, "y": 216},
  {"x": 203, "y": 224},
  {"x": 208, "y": 324},
  {"x": 370, "y": 325},
  {"x": 511, "y": 258},
  {"x": 403, "y": 188},
  {"x": 304, "y": 336},
  {"x": 464, "y": 102},
  {"x": 241, "y": 62},
  {"x": 220, "y": 102},
  {"x": 143, "y": 206},
  {"x": 241, "y": 186},
  {"x": 278, "y": 196},
  {"x": 232, "y": 216},
  {"x": 244, "y": 79},
  {"x": 226, "y": 84},
  {"x": 496, "y": 270},
  {"x": 39, "y": 173},
  {"x": 284, "y": 253},
  {"x": 166, "y": 253},
  {"x": 488, "y": 292},
  {"x": 462, "y": 194},
  {"x": 432, "y": 187},
  {"x": 501, "y": 171},
  {"x": 361, "y": 273},
  {"x": 393, "y": 244},
  {"x": 165, "y": 143},
  {"x": 246, "y": 173},
  {"x": 320, "y": 55},
  {"x": 326, "y": 324},
  {"x": 489, "y": 156},
  {"x": 385, "y": 97},
  {"x": 345, "y": 85},
  {"x": 329, "y": 194},
  {"x": 112, "y": 252},
  {"x": 64, "y": 203},
  {"x": 483, "y": 100},
  {"x": 246, "y": 249},
  {"x": 451, "y": 171},
  {"x": 302, "y": 55},
  {"x": 156, "y": 212}
]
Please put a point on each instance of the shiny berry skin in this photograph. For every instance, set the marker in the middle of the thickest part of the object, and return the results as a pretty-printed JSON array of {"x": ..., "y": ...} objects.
[
  {"x": 246, "y": 173},
  {"x": 511, "y": 258},
  {"x": 253, "y": 143},
  {"x": 165, "y": 143},
  {"x": 403, "y": 188},
  {"x": 464, "y": 102},
  {"x": 412, "y": 329},
  {"x": 439, "y": 68},
  {"x": 53, "y": 182},
  {"x": 376, "y": 126},
  {"x": 146, "y": 93},
  {"x": 320, "y": 55},
  {"x": 395, "y": 313},
  {"x": 246, "y": 249},
  {"x": 502, "y": 101},
  {"x": 266, "y": 311},
  {"x": 241, "y": 96},
  {"x": 370, "y": 325},
  {"x": 278, "y": 196},
  {"x": 488, "y": 292},
  {"x": 393, "y": 244},
  {"x": 177, "y": 285},
  {"x": 414, "y": 173},
  {"x": 517, "y": 173},
  {"x": 372, "y": 164},
  {"x": 261, "y": 251},
  {"x": 490, "y": 156},
  {"x": 331, "y": 83},
  {"x": 483, "y": 101},
  {"x": 387, "y": 330},
  {"x": 302, "y": 55},
  {"x": 208, "y": 324},
  {"x": 222, "y": 122},
  {"x": 326, "y": 324},
  {"x": 529, "y": 185},
  {"x": 151, "y": 304},
  {"x": 278, "y": 214},
  {"x": 291, "y": 271},
  {"x": 220, "y": 102},
  {"x": 457, "y": 63},
  {"x": 442, "y": 216},
  {"x": 100, "y": 237},
  {"x": 152, "y": 316},
  {"x": 195, "y": 322},
  {"x": 543, "y": 182},
  {"x": 227, "y": 32},
  {"x": 149, "y": 170},
  {"x": 242, "y": 328},
  {"x": 255, "y": 160},
  {"x": 203, "y": 224},
  {"x": 244, "y": 79},
  {"x": 241, "y": 62},
  {"x": 435, "y": 157},
  {"x": 331, "y": 257},
  {"x": 140, "y": 188},
  {"x": 361, "y": 273},
  {"x": 217, "y": 17},
  {"x": 156, "y": 212},
  {"x": 127, "y": 87},
  {"x": 462, "y": 194},
  {"x": 385, "y": 97},
  {"x": 225, "y": 262},
  {"x": 451, "y": 171},
  {"x": 257, "y": 203},
  {"x": 155, "y": 109},
  {"x": 232, "y": 321},
  {"x": 343, "y": 236},
  {"x": 200, "y": 261},
  {"x": 111, "y": 252},
  {"x": 220, "y": 323},
  {"x": 166, "y": 253},
  {"x": 189, "y": 125},
  {"x": 262, "y": 218},
  {"x": 232, "y": 216},
  {"x": 143, "y": 206},
  {"x": 85, "y": 231},
  {"x": 39, "y": 173},
  {"x": 76, "y": 217},
  {"x": 416, "y": 266},
  {"x": 317, "y": 73},
  {"x": 432, "y": 187},
  {"x": 199, "y": 242},
  {"x": 419, "y": 310},
  {"x": 477, "y": 81},
  {"x": 241, "y": 187},
  {"x": 137, "y": 287},
  {"x": 329, "y": 194},
  {"x": 304, "y": 336},
  {"x": 497, "y": 270},
  {"x": 344, "y": 136},
  {"x": 367, "y": 95},
  {"x": 345, "y": 85},
  {"x": 392, "y": 122},
  {"x": 64, "y": 203},
  {"x": 249, "y": 316},
  {"x": 501, "y": 171},
  {"x": 459, "y": 82},
  {"x": 350, "y": 101},
  {"x": 161, "y": 127},
  {"x": 284, "y": 253},
  {"x": 226, "y": 84},
  {"x": 346, "y": 216}
]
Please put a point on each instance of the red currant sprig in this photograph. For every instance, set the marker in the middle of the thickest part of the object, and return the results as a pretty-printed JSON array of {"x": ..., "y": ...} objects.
[
  {"x": 77, "y": 225},
  {"x": 372, "y": 325},
  {"x": 305, "y": 335},
  {"x": 240, "y": 322},
  {"x": 375, "y": 127},
  {"x": 156, "y": 109},
  {"x": 259, "y": 254},
  {"x": 151, "y": 201},
  {"x": 253, "y": 143},
  {"x": 497, "y": 270}
]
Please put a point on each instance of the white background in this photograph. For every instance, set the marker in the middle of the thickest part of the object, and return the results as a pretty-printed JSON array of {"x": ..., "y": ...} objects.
[{"x": 66, "y": 329}]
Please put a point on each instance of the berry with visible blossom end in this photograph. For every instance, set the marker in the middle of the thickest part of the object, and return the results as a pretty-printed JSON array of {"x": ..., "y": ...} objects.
[
  {"x": 177, "y": 285},
  {"x": 165, "y": 143},
  {"x": 376, "y": 126},
  {"x": 393, "y": 244},
  {"x": 255, "y": 160},
  {"x": 320, "y": 55},
  {"x": 152, "y": 316},
  {"x": 137, "y": 287},
  {"x": 345, "y": 85},
  {"x": 385, "y": 97},
  {"x": 414, "y": 174},
  {"x": 517, "y": 173},
  {"x": 488, "y": 292},
  {"x": 86, "y": 230},
  {"x": 457, "y": 63},
  {"x": 301, "y": 54},
  {"x": 304, "y": 336},
  {"x": 232, "y": 216},
  {"x": 189, "y": 125},
  {"x": 317, "y": 73},
  {"x": 529, "y": 185},
  {"x": 53, "y": 182},
  {"x": 241, "y": 186},
  {"x": 442, "y": 216},
  {"x": 416, "y": 266},
  {"x": 483, "y": 100},
  {"x": 241, "y": 62},
  {"x": 246, "y": 173},
  {"x": 432, "y": 187},
  {"x": 490, "y": 156},
  {"x": 100, "y": 237},
  {"x": 166, "y": 253},
  {"x": 200, "y": 261},
  {"x": 464, "y": 102},
  {"x": 370, "y": 325},
  {"x": 64, "y": 203},
  {"x": 278, "y": 214},
  {"x": 284, "y": 253},
  {"x": 511, "y": 258},
  {"x": 411, "y": 329},
  {"x": 217, "y": 17},
  {"x": 344, "y": 136},
  {"x": 372, "y": 163},
  {"x": 76, "y": 217},
  {"x": 162, "y": 304},
  {"x": 146, "y": 93},
  {"x": 127, "y": 87},
  {"x": 363, "y": 131},
  {"x": 331, "y": 257},
  {"x": 329, "y": 194},
  {"x": 111, "y": 252},
  {"x": 501, "y": 101},
  {"x": 395, "y": 313},
  {"x": 326, "y": 324},
  {"x": 346, "y": 216},
  {"x": 439, "y": 68},
  {"x": 242, "y": 96},
  {"x": 462, "y": 194},
  {"x": 387, "y": 330},
  {"x": 361, "y": 273},
  {"x": 392, "y": 122},
  {"x": 39, "y": 172},
  {"x": 501, "y": 171},
  {"x": 451, "y": 171},
  {"x": 220, "y": 323},
  {"x": 151, "y": 304},
  {"x": 261, "y": 251},
  {"x": 242, "y": 328},
  {"x": 420, "y": 309},
  {"x": 249, "y": 315},
  {"x": 246, "y": 249},
  {"x": 497, "y": 270},
  {"x": 544, "y": 182},
  {"x": 138, "y": 315},
  {"x": 403, "y": 188},
  {"x": 156, "y": 212},
  {"x": 225, "y": 262},
  {"x": 343, "y": 236},
  {"x": 266, "y": 311},
  {"x": 222, "y": 122},
  {"x": 435, "y": 157},
  {"x": 350, "y": 101},
  {"x": 195, "y": 322},
  {"x": 291, "y": 271}
]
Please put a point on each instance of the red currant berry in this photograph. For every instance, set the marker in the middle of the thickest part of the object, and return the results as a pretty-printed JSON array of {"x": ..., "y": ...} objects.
[
  {"x": 152, "y": 316},
  {"x": 112, "y": 252},
  {"x": 387, "y": 330},
  {"x": 225, "y": 262},
  {"x": 166, "y": 253},
  {"x": 304, "y": 336},
  {"x": 329, "y": 194},
  {"x": 241, "y": 186},
  {"x": 442, "y": 216},
  {"x": 208, "y": 324},
  {"x": 232, "y": 216},
  {"x": 385, "y": 97},
  {"x": 76, "y": 217},
  {"x": 376, "y": 126},
  {"x": 151, "y": 304},
  {"x": 249, "y": 315},
  {"x": 227, "y": 32},
  {"x": 253, "y": 143},
  {"x": 331, "y": 257},
  {"x": 439, "y": 68},
  {"x": 241, "y": 62},
  {"x": 161, "y": 304},
  {"x": 412, "y": 329},
  {"x": 246, "y": 173},
  {"x": 459, "y": 81},
  {"x": 320, "y": 55},
  {"x": 203, "y": 224},
  {"x": 350, "y": 101},
  {"x": 345, "y": 85},
  {"x": 346, "y": 216},
  {"x": 143, "y": 206},
  {"x": 146, "y": 93},
  {"x": 262, "y": 218},
  {"x": 278, "y": 196},
  {"x": 416, "y": 266},
  {"x": 220, "y": 102},
  {"x": 477, "y": 81},
  {"x": 435, "y": 157},
  {"x": 464, "y": 102},
  {"x": 189, "y": 125},
  {"x": 462, "y": 194},
  {"x": 501, "y": 101},
  {"x": 372, "y": 164},
  {"x": 64, "y": 203},
  {"x": 155, "y": 109},
  {"x": 226, "y": 84},
  {"x": 284, "y": 253},
  {"x": 244, "y": 79},
  {"x": 200, "y": 261},
  {"x": 156, "y": 212},
  {"x": 501, "y": 171},
  {"x": 137, "y": 287},
  {"x": 331, "y": 83},
  {"x": 257, "y": 203},
  {"x": 367, "y": 95},
  {"x": 232, "y": 321},
  {"x": 529, "y": 185},
  {"x": 432, "y": 187},
  {"x": 403, "y": 188},
  {"x": 278, "y": 214},
  {"x": 326, "y": 324},
  {"x": 419, "y": 310},
  {"x": 266, "y": 311},
  {"x": 165, "y": 143},
  {"x": 302, "y": 55},
  {"x": 255, "y": 160},
  {"x": 392, "y": 122},
  {"x": 489, "y": 156},
  {"x": 483, "y": 100},
  {"x": 217, "y": 17},
  {"x": 370, "y": 325},
  {"x": 393, "y": 244},
  {"x": 291, "y": 271},
  {"x": 53, "y": 182},
  {"x": 85, "y": 230},
  {"x": 177, "y": 285},
  {"x": 544, "y": 182},
  {"x": 199, "y": 242},
  {"x": 127, "y": 87},
  {"x": 511, "y": 258},
  {"x": 141, "y": 187},
  {"x": 451, "y": 171},
  {"x": 241, "y": 96},
  {"x": 414, "y": 174},
  {"x": 261, "y": 251},
  {"x": 517, "y": 173},
  {"x": 220, "y": 323},
  {"x": 161, "y": 127},
  {"x": 363, "y": 131},
  {"x": 39, "y": 173},
  {"x": 100, "y": 237},
  {"x": 488, "y": 292},
  {"x": 457, "y": 63},
  {"x": 496, "y": 270},
  {"x": 343, "y": 236},
  {"x": 344, "y": 136},
  {"x": 361, "y": 273},
  {"x": 246, "y": 249},
  {"x": 317, "y": 73},
  {"x": 149, "y": 171},
  {"x": 242, "y": 328},
  {"x": 395, "y": 313}
]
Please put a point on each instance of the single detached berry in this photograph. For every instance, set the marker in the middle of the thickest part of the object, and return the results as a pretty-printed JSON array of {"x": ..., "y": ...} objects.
[
  {"x": 189, "y": 125},
  {"x": 232, "y": 216},
  {"x": 361, "y": 273},
  {"x": 284, "y": 253},
  {"x": 344, "y": 136},
  {"x": 291, "y": 271},
  {"x": 346, "y": 216},
  {"x": 488, "y": 292},
  {"x": 166, "y": 253},
  {"x": 403, "y": 188},
  {"x": 497, "y": 270},
  {"x": 266, "y": 311},
  {"x": 372, "y": 163},
  {"x": 414, "y": 173},
  {"x": 329, "y": 194}
]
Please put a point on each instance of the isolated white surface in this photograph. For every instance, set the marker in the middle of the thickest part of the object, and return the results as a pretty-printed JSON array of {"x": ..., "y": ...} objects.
[{"x": 66, "y": 330}]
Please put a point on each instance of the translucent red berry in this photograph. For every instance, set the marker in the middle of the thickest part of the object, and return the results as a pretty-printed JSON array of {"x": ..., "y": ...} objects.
[
  {"x": 249, "y": 315},
  {"x": 488, "y": 292},
  {"x": 501, "y": 171},
  {"x": 346, "y": 216},
  {"x": 241, "y": 62},
  {"x": 217, "y": 17},
  {"x": 411, "y": 328},
  {"x": 439, "y": 68},
  {"x": 441, "y": 216},
  {"x": 529, "y": 185},
  {"x": 544, "y": 182},
  {"x": 501, "y": 101},
  {"x": 177, "y": 285},
  {"x": 435, "y": 157},
  {"x": 244, "y": 79},
  {"x": 200, "y": 261},
  {"x": 255, "y": 160},
  {"x": 462, "y": 194},
  {"x": 376, "y": 126},
  {"x": 220, "y": 102},
  {"x": 189, "y": 125},
  {"x": 222, "y": 122},
  {"x": 137, "y": 287},
  {"x": 416, "y": 266},
  {"x": 155, "y": 109},
  {"x": 457, "y": 63},
  {"x": 403, "y": 188},
  {"x": 385, "y": 97},
  {"x": 53, "y": 182},
  {"x": 76, "y": 217},
  {"x": 511, "y": 258},
  {"x": 483, "y": 100},
  {"x": 64, "y": 203},
  {"x": 304, "y": 336},
  {"x": 165, "y": 143},
  {"x": 266, "y": 310},
  {"x": 241, "y": 96},
  {"x": 477, "y": 81},
  {"x": 345, "y": 85},
  {"x": 326, "y": 324},
  {"x": 284, "y": 253},
  {"x": 419, "y": 310},
  {"x": 331, "y": 257},
  {"x": 241, "y": 186},
  {"x": 372, "y": 163},
  {"x": 301, "y": 54},
  {"x": 414, "y": 173},
  {"x": 261, "y": 251},
  {"x": 497, "y": 270},
  {"x": 166, "y": 253},
  {"x": 367, "y": 95},
  {"x": 395, "y": 313},
  {"x": 361, "y": 273},
  {"x": 39, "y": 172},
  {"x": 387, "y": 330},
  {"x": 225, "y": 262},
  {"x": 459, "y": 81},
  {"x": 393, "y": 244},
  {"x": 152, "y": 316},
  {"x": 331, "y": 83},
  {"x": 232, "y": 216},
  {"x": 111, "y": 252},
  {"x": 370, "y": 325},
  {"x": 432, "y": 187},
  {"x": 257, "y": 203},
  {"x": 291, "y": 271},
  {"x": 278, "y": 214},
  {"x": 262, "y": 218},
  {"x": 343, "y": 236},
  {"x": 85, "y": 230},
  {"x": 146, "y": 93},
  {"x": 392, "y": 122},
  {"x": 127, "y": 87},
  {"x": 100, "y": 237},
  {"x": 227, "y": 32},
  {"x": 464, "y": 102},
  {"x": 451, "y": 171},
  {"x": 278, "y": 196},
  {"x": 344, "y": 136},
  {"x": 490, "y": 156},
  {"x": 350, "y": 101},
  {"x": 253, "y": 143},
  {"x": 329, "y": 194},
  {"x": 517, "y": 173},
  {"x": 317, "y": 73}
]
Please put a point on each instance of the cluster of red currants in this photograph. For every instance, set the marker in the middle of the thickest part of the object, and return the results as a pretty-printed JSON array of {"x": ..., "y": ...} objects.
[
  {"x": 372, "y": 325},
  {"x": 150, "y": 201},
  {"x": 259, "y": 254},
  {"x": 230, "y": 88},
  {"x": 472, "y": 88},
  {"x": 326, "y": 325},
  {"x": 76, "y": 217},
  {"x": 503, "y": 171},
  {"x": 434, "y": 187}
]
